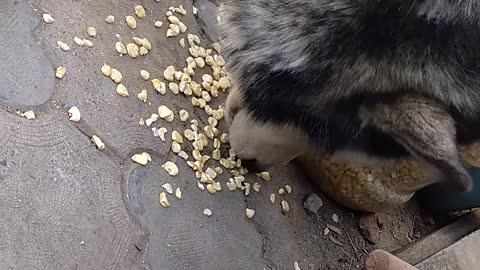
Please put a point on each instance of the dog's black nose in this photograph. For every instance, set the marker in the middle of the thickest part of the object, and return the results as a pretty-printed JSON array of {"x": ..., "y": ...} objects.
[{"x": 252, "y": 165}]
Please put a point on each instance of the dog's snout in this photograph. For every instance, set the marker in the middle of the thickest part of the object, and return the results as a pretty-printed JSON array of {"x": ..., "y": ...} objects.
[{"x": 252, "y": 165}]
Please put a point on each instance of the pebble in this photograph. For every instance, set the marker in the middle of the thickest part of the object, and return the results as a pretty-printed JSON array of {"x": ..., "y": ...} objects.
[
  {"x": 335, "y": 218},
  {"x": 313, "y": 203}
]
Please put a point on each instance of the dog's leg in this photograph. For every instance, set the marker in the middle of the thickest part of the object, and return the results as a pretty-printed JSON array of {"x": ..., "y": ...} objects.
[{"x": 426, "y": 130}]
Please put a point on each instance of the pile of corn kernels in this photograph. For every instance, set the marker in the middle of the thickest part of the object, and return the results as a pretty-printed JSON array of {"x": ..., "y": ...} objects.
[{"x": 200, "y": 147}]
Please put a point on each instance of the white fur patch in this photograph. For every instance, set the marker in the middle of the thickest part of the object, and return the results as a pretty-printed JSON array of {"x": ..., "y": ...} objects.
[{"x": 267, "y": 143}]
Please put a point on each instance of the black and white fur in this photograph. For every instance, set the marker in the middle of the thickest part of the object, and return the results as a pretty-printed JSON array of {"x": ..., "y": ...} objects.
[{"x": 386, "y": 78}]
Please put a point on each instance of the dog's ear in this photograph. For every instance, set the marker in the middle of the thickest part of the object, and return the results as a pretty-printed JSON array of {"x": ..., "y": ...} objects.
[{"x": 426, "y": 130}]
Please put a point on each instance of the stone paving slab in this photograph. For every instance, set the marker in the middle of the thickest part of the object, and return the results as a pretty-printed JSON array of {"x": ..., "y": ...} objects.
[
  {"x": 181, "y": 236},
  {"x": 462, "y": 255},
  {"x": 22, "y": 71},
  {"x": 60, "y": 200}
]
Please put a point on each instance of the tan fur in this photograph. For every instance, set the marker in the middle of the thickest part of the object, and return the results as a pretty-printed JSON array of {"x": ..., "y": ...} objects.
[{"x": 267, "y": 143}]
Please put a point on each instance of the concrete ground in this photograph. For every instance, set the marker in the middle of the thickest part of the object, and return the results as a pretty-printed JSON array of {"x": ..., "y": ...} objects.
[
  {"x": 463, "y": 255},
  {"x": 67, "y": 205}
]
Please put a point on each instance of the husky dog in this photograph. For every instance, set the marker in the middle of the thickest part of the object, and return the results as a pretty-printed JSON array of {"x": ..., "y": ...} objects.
[{"x": 380, "y": 78}]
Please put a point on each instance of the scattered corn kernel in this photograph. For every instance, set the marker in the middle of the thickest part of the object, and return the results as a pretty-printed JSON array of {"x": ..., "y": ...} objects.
[
  {"x": 80, "y": 42},
  {"x": 170, "y": 33},
  {"x": 224, "y": 83},
  {"x": 142, "y": 51},
  {"x": 121, "y": 49},
  {"x": 142, "y": 95},
  {"x": 182, "y": 27},
  {"x": 207, "y": 212},
  {"x": 211, "y": 189},
  {"x": 174, "y": 88},
  {"x": 247, "y": 188},
  {"x": 177, "y": 137},
  {"x": 115, "y": 75},
  {"x": 74, "y": 114},
  {"x": 164, "y": 200},
  {"x": 173, "y": 19},
  {"x": 209, "y": 132},
  {"x": 142, "y": 158},
  {"x": 110, "y": 19},
  {"x": 181, "y": 10},
  {"x": 88, "y": 43},
  {"x": 47, "y": 18},
  {"x": 91, "y": 31},
  {"x": 131, "y": 22},
  {"x": 98, "y": 142},
  {"x": 168, "y": 73},
  {"x": 161, "y": 133},
  {"x": 137, "y": 41},
  {"x": 285, "y": 206},
  {"x": 168, "y": 188},
  {"x": 171, "y": 168},
  {"x": 189, "y": 135},
  {"x": 199, "y": 62},
  {"x": 29, "y": 115},
  {"x": 176, "y": 147},
  {"x": 212, "y": 121},
  {"x": 264, "y": 175},
  {"x": 146, "y": 43},
  {"x": 175, "y": 28},
  {"x": 60, "y": 72},
  {"x": 132, "y": 50},
  {"x": 217, "y": 47},
  {"x": 152, "y": 119},
  {"x": 160, "y": 87},
  {"x": 256, "y": 187},
  {"x": 231, "y": 186},
  {"x": 183, "y": 155},
  {"x": 140, "y": 11},
  {"x": 249, "y": 213},
  {"x": 178, "y": 193},
  {"x": 165, "y": 113},
  {"x": 144, "y": 75},
  {"x": 184, "y": 115},
  {"x": 62, "y": 45},
  {"x": 122, "y": 90},
  {"x": 197, "y": 155}
]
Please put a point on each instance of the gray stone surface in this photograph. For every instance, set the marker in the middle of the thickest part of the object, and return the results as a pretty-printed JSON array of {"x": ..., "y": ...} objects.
[
  {"x": 181, "y": 236},
  {"x": 60, "y": 200},
  {"x": 208, "y": 19},
  {"x": 440, "y": 239},
  {"x": 67, "y": 205},
  {"x": 463, "y": 255},
  {"x": 25, "y": 71}
]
